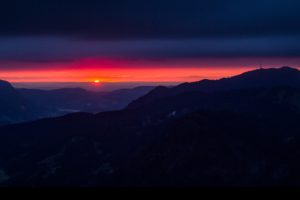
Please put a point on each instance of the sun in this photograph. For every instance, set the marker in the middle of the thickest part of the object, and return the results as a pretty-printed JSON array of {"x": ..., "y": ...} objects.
[{"x": 96, "y": 81}]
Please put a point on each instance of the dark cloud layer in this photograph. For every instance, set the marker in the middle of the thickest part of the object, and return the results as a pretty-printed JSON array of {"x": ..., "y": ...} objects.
[
  {"x": 150, "y": 19},
  {"x": 61, "y": 49},
  {"x": 62, "y": 30}
]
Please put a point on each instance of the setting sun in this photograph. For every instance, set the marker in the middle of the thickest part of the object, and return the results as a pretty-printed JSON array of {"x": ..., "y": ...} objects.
[{"x": 96, "y": 81}]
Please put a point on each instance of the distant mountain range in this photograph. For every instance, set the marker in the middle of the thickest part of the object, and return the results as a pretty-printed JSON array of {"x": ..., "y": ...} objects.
[
  {"x": 240, "y": 131},
  {"x": 79, "y": 100},
  {"x": 19, "y": 105}
]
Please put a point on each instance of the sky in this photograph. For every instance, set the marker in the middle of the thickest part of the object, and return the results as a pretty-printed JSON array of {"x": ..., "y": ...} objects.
[{"x": 134, "y": 41}]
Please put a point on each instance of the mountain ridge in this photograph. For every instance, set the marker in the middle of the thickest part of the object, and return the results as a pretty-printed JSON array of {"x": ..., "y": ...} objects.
[
  {"x": 270, "y": 77},
  {"x": 239, "y": 137}
]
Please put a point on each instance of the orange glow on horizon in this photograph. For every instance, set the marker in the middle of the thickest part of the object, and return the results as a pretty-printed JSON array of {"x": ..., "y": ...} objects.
[
  {"x": 121, "y": 75},
  {"x": 98, "y": 71}
]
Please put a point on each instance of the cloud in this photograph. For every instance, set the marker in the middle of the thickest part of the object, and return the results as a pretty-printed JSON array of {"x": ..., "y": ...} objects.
[
  {"x": 51, "y": 31},
  {"x": 121, "y": 19},
  {"x": 51, "y": 49}
]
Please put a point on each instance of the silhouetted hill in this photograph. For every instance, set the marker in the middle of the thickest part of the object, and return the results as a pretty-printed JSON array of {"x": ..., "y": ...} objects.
[
  {"x": 14, "y": 107},
  {"x": 262, "y": 102},
  {"x": 261, "y": 78}
]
